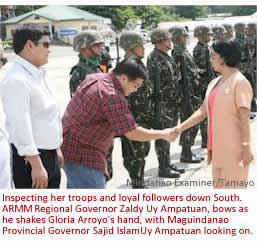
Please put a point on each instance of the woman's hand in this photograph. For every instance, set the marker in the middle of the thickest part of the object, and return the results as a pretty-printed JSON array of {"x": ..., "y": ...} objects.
[{"x": 247, "y": 156}]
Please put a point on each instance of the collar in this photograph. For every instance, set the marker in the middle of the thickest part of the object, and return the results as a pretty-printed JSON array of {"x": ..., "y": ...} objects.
[
  {"x": 32, "y": 69},
  {"x": 89, "y": 60},
  {"x": 182, "y": 46},
  {"x": 202, "y": 44},
  {"x": 251, "y": 35},
  {"x": 240, "y": 36},
  {"x": 116, "y": 82}
]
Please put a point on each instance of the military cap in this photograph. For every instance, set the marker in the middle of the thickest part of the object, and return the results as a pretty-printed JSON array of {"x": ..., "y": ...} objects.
[
  {"x": 239, "y": 25},
  {"x": 159, "y": 34},
  {"x": 130, "y": 39},
  {"x": 252, "y": 26},
  {"x": 178, "y": 31},
  {"x": 86, "y": 39},
  {"x": 218, "y": 29},
  {"x": 201, "y": 29},
  {"x": 228, "y": 27}
]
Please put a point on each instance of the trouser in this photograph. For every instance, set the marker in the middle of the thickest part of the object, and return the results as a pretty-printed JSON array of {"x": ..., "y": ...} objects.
[
  {"x": 83, "y": 177},
  {"x": 187, "y": 137},
  {"x": 134, "y": 161},
  {"x": 168, "y": 119},
  {"x": 22, "y": 169}
]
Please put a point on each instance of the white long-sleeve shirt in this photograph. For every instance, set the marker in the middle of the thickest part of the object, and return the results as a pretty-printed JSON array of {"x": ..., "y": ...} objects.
[
  {"x": 33, "y": 119},
  {"x": 5, "y": 163}
]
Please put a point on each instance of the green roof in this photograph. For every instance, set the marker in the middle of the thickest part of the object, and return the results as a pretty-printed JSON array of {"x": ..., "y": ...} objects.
[{"x": 56, "y": 14}]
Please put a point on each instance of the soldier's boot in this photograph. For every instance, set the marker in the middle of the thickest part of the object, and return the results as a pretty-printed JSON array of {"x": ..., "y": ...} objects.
[
  {"x": 135, "y": 169},
  {"x": 165, "y": 170},
  {"x": 187, "y": 156}
]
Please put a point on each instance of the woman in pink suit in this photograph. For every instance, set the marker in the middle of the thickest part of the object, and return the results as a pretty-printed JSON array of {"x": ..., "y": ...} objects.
[{"x": 227, "y": 106}]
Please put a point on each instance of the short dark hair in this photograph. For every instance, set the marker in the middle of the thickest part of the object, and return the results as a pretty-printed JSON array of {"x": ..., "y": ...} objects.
[
  {"x": 23, "y": 34},
  {"x": 229, "y": 49},
  {"x": 132, "y": 67}
]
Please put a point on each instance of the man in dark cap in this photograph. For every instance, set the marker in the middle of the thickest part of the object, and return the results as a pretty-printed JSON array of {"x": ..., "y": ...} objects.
[
  {"x": 89, "y": 45},
  {"x": 189, "y": 87},
  {"x": 201, "y": 55},
  {"x": 165, "y": 78},
  {"x": 134, "y": 152}
]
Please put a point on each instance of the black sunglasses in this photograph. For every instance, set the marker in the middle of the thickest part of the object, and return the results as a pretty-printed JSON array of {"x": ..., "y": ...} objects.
[{"x": 45, "y": 44}]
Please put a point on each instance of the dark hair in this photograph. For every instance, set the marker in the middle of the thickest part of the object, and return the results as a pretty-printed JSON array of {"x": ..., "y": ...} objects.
[
  {"x": 132, "y": 67},
  {"x": 23, "y": 34},
  {"x": 229, "y": 49}
]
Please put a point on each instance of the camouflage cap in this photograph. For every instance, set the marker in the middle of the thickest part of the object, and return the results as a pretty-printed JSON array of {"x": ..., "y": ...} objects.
[
  {"x": 218, "y": 29},
  {"x": 228, "y": 27},
  {"x": 178, "y": 31},
  {"x": 239, "y": 25},
  {"x": 251, "y": 26},
  {"x": 201, "y": 30},
  {"x": 130, "y": 39},
  {"x": 159, "y": 34},
  {"x": 86, "y": 39}
]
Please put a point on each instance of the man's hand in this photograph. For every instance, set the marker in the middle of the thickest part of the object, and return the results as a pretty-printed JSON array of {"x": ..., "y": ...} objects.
[
  {"x": 39, "y": 174},
  {"x": 60, "y": 157},
  {"x": 170, "y": 134}
]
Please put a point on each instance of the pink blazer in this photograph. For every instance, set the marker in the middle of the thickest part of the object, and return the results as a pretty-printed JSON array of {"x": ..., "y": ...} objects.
[{"x": 233, "y": 94}]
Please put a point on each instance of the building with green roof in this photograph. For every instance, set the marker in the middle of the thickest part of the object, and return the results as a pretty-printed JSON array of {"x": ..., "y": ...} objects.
[{"x": 64, "y": 21}]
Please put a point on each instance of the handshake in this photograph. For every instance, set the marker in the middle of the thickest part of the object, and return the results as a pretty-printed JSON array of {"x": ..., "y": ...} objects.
[{"x": 170, "y": 134}]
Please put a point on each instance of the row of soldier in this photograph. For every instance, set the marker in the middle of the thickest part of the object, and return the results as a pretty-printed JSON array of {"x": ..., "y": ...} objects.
[{"x": 175, "y": 88}]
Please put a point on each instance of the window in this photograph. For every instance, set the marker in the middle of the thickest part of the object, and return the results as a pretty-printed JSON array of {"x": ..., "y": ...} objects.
[
  {"x": 93, "y": 27},
  {"x": 84, "y": 27}
]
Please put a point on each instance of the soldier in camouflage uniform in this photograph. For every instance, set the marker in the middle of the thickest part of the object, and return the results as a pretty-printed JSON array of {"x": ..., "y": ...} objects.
[
  {"x": 251, "y": 40},
  {"x": 165, "y": 78},
  {"x": 89, "y": 45},
  {"x": 229, "y": 30},
  {"x": 201, "y": 55},
  {"x": 241, "y": 34},
  {"x": 218, "y": 32},
  {"x": 134, "y": 152},
  {"x": 189, "y": 88}
]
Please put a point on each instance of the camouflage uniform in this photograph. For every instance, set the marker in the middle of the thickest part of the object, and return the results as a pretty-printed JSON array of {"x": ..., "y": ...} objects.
[
  {"x": 134, "y": 152},
  {"x": 190, "y": 91},
  {"x": 251, "y": 41},
  {"x": 162, "y": 65},
  {"x": 201, "y": 55},
  {"x": 245, "y": 58},
  {"x": 84, "y": 67},
  {"x": 78, "y": 72}
]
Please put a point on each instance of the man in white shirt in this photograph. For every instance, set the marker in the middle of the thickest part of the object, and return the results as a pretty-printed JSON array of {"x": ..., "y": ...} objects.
[
  {"x": 32, "y": 117},
  {"x": 5, "y": 164}
]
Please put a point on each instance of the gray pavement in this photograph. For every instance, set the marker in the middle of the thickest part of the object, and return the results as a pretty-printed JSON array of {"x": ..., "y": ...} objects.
[{"x": 60, "y": 61}]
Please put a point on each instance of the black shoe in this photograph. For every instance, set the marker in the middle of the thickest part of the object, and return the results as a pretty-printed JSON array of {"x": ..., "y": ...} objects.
[
  {"x": 168, "y": 173},
  {"x": 198, "y": 156},
  {"x": 191, "y": 160},
  {"x": 174, "y": 167}
]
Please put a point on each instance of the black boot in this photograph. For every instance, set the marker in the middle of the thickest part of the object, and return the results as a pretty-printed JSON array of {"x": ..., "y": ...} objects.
[
  {"x": 165, "y": 171},
  {"x": 188, "y": 157}
]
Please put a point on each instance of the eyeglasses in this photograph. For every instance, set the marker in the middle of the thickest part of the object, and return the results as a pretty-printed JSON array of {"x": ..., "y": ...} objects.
[{"x": 45, "y": 44}]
